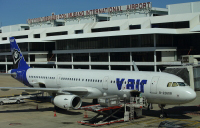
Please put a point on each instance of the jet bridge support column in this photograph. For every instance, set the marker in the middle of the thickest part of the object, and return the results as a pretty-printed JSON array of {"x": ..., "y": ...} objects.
[
  {"x": 155, "y": 67},
  {"x": 29, "y": 54},
  {"x": 131, "y": 60},
  {"x": 6, "y": 64},
  {"x": 109, "y": 66},
  {"x": 191, "y": 76}
]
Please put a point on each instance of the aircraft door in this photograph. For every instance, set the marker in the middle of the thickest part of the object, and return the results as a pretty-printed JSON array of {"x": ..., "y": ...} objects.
[
  {"x": 58, "y": 80},
  {"x": 105, "y": 83},
  {"x": 153, "y": 86}
]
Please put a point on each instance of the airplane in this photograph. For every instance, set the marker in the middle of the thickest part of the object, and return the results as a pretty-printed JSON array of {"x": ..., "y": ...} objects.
[{"x": 69, "y": 86}]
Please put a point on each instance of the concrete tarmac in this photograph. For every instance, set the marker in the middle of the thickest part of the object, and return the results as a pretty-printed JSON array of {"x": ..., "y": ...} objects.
[{"x": 39, "y": 113}]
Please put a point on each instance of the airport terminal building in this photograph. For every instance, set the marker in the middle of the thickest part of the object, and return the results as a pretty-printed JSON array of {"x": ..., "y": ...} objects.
[{"x": 108, "y": 38}]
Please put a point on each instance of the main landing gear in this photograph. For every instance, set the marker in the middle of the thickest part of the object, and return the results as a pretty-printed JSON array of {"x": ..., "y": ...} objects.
[
  {"x": 150, "y": 106},
  {"x": 162, "y": 114},
  {"x": 95, "y": 101}
]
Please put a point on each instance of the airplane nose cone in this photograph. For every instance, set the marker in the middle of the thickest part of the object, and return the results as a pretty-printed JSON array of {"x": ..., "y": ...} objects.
[
  {"x": 191, "y": 95},
  {"x": 9, "y": 71}
]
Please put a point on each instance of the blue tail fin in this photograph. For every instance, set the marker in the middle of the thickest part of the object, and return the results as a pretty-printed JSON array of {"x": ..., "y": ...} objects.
[{"x": 18, "y": 59}]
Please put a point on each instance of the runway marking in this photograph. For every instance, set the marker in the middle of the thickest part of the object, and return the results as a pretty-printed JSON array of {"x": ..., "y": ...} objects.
[
  {"x": 191, "y": 124},
  {"x": 185, "y": 120},
  {"x": 159, "y": 120}
]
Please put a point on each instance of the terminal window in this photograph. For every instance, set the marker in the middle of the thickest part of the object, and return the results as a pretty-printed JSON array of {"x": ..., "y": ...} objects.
[
  {"x": 21, "y": 37},
  {"x": 176, "y": 25},
  {"x": 134, "y": 27},
  {"x": 4, "y": 38},
  {"x": 36, "y": 35},
  {"x": 57, "y": 33},
  {"x": 78, "y": 31},
  {"x": 106, "y": 29}
]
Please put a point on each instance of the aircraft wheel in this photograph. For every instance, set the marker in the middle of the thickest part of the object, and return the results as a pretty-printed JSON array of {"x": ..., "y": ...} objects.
[
  {"x": 1, "y": 103},
  {"x": 161, "y": 115},
  {"x": 18, "y": 102}
]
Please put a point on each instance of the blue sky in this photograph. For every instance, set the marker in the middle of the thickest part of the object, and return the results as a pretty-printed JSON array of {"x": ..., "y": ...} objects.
[{"x": 18, "y": 11}]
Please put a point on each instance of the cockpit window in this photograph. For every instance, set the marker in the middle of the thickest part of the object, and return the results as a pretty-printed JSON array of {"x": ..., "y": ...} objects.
[
  {"x": 174, "y": 84},
  {"x": 182, "y": 84},
  {"x": 169, "y": 84}
]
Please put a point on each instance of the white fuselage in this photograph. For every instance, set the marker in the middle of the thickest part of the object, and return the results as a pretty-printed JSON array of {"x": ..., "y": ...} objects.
[{"x": 108, "y": 82}]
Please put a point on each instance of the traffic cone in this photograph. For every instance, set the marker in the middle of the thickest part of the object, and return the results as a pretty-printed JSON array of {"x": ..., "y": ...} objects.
[
  {"x": 55, "y": 113},
  {"x": 85, "y": 114}
]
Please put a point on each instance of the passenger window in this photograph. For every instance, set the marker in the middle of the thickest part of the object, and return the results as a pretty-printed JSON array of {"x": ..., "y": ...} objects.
[
  {"x": 181, "y": 84},
  {"x": 174, "y": 84},
  {"x": 169, "y": 84}
]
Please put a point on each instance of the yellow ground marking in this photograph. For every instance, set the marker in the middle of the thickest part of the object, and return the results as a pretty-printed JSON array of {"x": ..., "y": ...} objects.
[{"x": 134, "y": 122}]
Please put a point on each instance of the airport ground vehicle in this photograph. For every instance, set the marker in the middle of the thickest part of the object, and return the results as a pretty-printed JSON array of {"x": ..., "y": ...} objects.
[{"x": 8, "y": 100}]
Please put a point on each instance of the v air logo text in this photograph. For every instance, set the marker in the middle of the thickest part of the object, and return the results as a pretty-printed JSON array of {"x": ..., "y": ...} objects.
[{"x": 132, "y": 84}]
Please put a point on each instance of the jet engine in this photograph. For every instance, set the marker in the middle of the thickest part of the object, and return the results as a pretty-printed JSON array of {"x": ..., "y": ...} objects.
[{"x": 67, "y": 101}]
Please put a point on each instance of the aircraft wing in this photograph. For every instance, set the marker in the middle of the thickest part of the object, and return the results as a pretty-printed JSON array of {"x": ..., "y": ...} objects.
[{"x": 74, "y": 90}]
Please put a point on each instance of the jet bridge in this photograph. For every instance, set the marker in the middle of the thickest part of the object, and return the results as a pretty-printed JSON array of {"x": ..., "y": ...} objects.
[{"x": 189, "y": 73}]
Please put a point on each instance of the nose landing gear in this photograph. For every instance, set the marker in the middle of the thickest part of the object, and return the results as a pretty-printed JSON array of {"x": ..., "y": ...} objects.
[{"x": 162, "y": 114}]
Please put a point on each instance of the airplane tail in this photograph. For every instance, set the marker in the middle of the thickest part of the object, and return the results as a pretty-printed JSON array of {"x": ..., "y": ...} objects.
[{"x": 18, "y": 59}]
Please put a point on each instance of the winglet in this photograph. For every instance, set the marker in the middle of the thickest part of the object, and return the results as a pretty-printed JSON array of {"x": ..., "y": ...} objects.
[
  {"x": 135, "y": 67},
  {"x": 18, "y": 59}
]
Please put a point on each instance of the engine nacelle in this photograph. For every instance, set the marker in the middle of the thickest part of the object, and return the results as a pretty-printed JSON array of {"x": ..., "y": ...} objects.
[{"x": 67, "y": 101}]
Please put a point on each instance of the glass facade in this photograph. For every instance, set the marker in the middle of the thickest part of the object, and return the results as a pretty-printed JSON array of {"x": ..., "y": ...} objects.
[
  {"x": 106, "y": 42},
  {"x": 164, "y": 40},
  {"x": 9, "y": 58},
  {"x": 26, "y": 57},
  {"x": 143, "y": 56},
  {"x": 120, "y": 57},
  {"x": 51, "y": 57},
  {"x": 187, "y": 44},
  {"x": 99, "y": 57},
  {"x": 65, "y": 66},
  {"x": 64, "y": 58},
  {"x": 81, "y": 57},
  {"x": 120, "y": 67},
  {"x": 4, "y": 47},
  {"x": 23, "y": 46},
  {"x": 2, "y": 59},
  {"x": 81, "y": 67},
  {"x": 100, "y": 67},
  {"x": 36, "y": 46}
]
